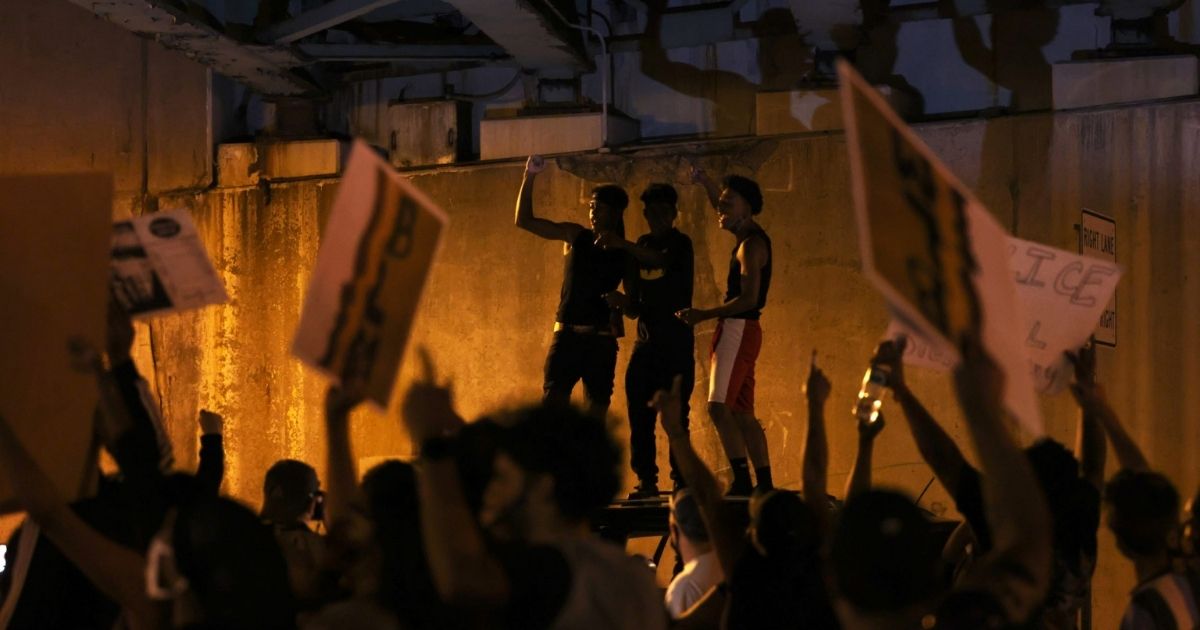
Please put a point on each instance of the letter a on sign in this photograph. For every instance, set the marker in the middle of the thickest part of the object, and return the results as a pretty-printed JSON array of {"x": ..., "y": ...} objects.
[
  {"x": 378, "y": 246},
  {"x": 934, "y": 252}
]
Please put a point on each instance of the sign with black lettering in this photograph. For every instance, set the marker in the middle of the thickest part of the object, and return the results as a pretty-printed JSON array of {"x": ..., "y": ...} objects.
[
  {"x": 935, "y": 253},
  {"x": 1062, "y": 296},
  {"x": 378, "y": 246},
  {"x": 1098, "y": 239}
]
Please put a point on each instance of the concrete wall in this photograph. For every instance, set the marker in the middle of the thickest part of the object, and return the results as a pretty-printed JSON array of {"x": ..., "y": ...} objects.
[
  {"x": 489, "y": 306},
  {"x": 80, "y": 94}
]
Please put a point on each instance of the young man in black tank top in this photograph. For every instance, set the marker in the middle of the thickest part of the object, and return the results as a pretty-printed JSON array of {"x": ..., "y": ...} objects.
[
  {"x": 665, "y": 346},
  {"x": 586, "y": 328},
  {"x": 738, "y": 337}
]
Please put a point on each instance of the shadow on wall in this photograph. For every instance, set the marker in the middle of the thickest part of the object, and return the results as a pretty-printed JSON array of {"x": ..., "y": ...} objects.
[
  {"x": 875, "y": 58},
  {"x": 1012, "y": 59},
  {"x": 784, "y": 58}
]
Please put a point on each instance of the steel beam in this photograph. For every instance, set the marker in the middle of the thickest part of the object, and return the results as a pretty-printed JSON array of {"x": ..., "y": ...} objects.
[
  {"x": 402, "y": 52},
  {"x": 265, "y": 69},
  {"x": 325, "y": 16}
]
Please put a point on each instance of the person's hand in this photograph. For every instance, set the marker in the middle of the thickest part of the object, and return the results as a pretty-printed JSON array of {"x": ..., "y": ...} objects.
[
  {"x": 340, "y": 400},
  {"x": 868, "y": 430},
  {"x": 428, "y": 408},
  {"x": 119, "y": 334},
  {"x": 817, "y": 387},
  {"x": 534, "y": 165},
  {"x": 616, "y": 299},
  {"x": 978, "y": 380},
  {"x": 696, "y": 174},
  {"x": 890, "y": 354},
  {"x": 610, "y": 240},
  {"x": 691, "y": 316},
  {"x": 670, "y": 409},
  {"x": 211, "y": 423},
  {"x": 1084, "y": 362}
]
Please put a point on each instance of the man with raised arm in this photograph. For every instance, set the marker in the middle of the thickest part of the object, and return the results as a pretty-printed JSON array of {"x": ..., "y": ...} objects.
[
  {"x": 1072, "y": 483},
  {"x": 586, "y": 327},
  {"x": 1142, "y": 511},
  {"x": 738, "y": 337}
]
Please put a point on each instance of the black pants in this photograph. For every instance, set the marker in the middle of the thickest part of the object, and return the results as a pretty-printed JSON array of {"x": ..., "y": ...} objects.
[
  {"x": 653, "y": 366},
  {"x": 578, "y": 356}
]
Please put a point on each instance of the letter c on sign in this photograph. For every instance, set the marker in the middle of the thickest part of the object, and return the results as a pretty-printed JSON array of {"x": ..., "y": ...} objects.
[{"x": 1060, "y": 281}]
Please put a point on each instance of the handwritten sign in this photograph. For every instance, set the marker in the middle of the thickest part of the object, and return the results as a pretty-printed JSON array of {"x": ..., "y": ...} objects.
[
  {"x": 933, "y": 251},
  {"x": 378, "y": 246},
  {"x": 1098, "y": 239},
  {"x": 1062, "y": 296},
  {"x": 159, "y": 265}
]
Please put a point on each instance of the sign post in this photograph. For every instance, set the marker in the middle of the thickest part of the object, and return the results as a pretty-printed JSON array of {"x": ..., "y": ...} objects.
[{"x": 1098, "y": 239}]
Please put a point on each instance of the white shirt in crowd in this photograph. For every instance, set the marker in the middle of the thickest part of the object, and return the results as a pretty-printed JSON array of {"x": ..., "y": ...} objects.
[{"x": 696, "y": 578}]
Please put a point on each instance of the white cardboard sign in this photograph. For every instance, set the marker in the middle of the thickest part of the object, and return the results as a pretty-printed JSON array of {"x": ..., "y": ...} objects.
[
  {"x": 935, "y": 253},
  {"x": 1061, "y": 297},
  {"x": 376, "y": 252}
]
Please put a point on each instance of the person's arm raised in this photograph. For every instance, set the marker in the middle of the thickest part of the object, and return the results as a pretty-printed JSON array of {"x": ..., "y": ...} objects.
[
  {"x": 936, "y": 446},
  {"x": 525, "y": 218},
  {"x": 859, "y": 480},
  {"x": 1090, "y": 447},
  {"x": 1017, "y": 570},
  {"x": 211, "y": 470},
  {"x": 115, "y": 570},
  {"x": 711, "y": 189},
  {"x": 341, "y": 477},
  {"x": 815, "y": 467},
  {"x": 463, "y": 570},
  {"x": 753, "y": 256},
  {"x": 727, "y": 541}
]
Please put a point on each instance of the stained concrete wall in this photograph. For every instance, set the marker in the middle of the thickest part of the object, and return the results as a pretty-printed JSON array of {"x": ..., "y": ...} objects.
[
  {"x": 488, "y": 310},
  {"x": 80, "y": 94}
]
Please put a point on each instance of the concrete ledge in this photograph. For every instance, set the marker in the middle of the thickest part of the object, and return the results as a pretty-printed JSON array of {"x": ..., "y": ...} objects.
[
  {"x": 246, "y": 163},
  {"x": 1111, "y": 81},
  {"x": 560, "y": 133}
]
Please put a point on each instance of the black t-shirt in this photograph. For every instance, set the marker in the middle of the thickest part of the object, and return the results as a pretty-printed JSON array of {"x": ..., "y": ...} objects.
[
  {"x": 540, "y": 579},
  {"x": 764, "y": 595},
  {"x": 588, "y": 273},
  {"x": 733, "y": 283},
  {"x": 1075, "y": 510},
  {"x": 971, "y": 610},
  {"x": 663, "y": 292}
]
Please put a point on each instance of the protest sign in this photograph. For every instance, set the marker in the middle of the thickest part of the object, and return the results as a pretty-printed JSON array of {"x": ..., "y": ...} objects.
[
  {"x": 54, "y": 238},
  {"x": 1061, "y": 296},
  {"x": 934, "y": 252},
  {"x": 376, "y": 252},
  {"x": 160, "y": 266}
]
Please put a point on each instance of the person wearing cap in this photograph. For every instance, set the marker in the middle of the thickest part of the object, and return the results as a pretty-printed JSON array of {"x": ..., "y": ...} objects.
[
  {"x": 665, "y": 346},
  {"x": 738, "y": 337},
  {"x": 586, "y": 328},
  {"x": 689, "y": 538}
]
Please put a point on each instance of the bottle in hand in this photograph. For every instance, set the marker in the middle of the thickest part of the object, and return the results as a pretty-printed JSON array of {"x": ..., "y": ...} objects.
[{"x": 870, "y": 396}]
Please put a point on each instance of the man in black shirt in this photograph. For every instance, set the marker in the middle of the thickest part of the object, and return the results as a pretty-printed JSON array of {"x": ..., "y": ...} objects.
[
  {"x": 665, "y": 345},
  {"x": 586, "y": 329}
]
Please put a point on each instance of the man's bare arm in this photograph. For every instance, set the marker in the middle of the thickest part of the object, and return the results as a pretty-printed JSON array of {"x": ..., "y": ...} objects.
[
  {"x": 525, "y": 218},
  {"x": 752, "y": 256}
]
